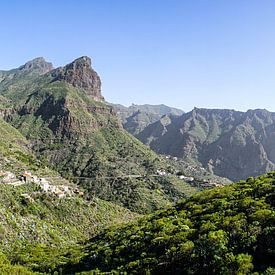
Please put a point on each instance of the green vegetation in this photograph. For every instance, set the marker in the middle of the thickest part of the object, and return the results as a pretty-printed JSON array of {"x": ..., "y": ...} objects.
[
  {"x": 15, "y": 153},
  {"x": 37, "y": 229},
  {"x": 228, "y": 230},
  {"x": 6, "y": 268}
]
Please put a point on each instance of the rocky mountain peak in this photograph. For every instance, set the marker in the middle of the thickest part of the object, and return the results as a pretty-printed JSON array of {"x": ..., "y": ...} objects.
[
  {"x": 82, "y": 61},
  {"x": 39, "y": 64},
  {"x": 80, "y": 74}
]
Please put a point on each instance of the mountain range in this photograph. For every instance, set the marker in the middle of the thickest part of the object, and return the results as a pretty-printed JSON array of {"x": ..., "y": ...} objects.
[
  {"x": 227, "y": 143},
  {"x": 136, "y": 117}
]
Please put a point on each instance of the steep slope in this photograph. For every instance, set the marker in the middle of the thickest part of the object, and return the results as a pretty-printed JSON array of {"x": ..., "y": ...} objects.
[
  {"x": 21, "y": 79},
  {"x": 33, "y": 220},
  {"x": 15, "y": 153},
  {"x": 136, "y": 117},
  {"x": 69, "y": 126},
  {"x": 228, "y": 230},
  {"x": 155, "y": 130},
  {"x": 228, "y": 143},
  {"x": 33, "y": 216}
]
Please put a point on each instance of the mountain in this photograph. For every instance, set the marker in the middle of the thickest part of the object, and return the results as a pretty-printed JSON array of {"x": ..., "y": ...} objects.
[
  {"x": 69, "y": 126},
  {"x": 136, "y": 117},
  {"x": 226, "y": 142},
  {"x": 227, "y": 230}
]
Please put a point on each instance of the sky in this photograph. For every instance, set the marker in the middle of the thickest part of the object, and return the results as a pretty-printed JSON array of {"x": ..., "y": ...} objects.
[{"x": 182, "y": 53}]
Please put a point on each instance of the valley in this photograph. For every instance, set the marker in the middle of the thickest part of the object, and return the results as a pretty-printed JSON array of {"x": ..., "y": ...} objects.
[{"x": 79, "y": 192}]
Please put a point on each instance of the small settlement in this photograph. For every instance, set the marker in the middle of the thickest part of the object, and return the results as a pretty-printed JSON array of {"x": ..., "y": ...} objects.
[{"x": 46, "y": 186}]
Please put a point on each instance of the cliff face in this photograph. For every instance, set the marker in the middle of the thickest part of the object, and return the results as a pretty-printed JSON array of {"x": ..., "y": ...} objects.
[
  {"x": 80, "y": 74},
  {"x": 64, "y": 99},
  {"x": 228, "y": 143}
]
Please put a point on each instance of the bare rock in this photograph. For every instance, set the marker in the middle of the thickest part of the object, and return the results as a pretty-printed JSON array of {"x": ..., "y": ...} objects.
[{"x": 80, "y": 74}]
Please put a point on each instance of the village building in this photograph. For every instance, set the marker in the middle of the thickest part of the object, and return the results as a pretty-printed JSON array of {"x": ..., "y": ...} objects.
[
  {"x": 187, "y": 179},
  {"x": 161, "y": 172},
  {"x": 27, "y": 176}
]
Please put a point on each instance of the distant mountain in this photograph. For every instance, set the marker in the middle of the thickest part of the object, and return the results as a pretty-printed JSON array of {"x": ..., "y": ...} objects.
[
  {"x": 136, "y": 117},
  {"x": 228, "y": 143}
]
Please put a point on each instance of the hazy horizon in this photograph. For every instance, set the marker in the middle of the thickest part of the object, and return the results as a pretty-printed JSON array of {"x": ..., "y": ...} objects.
[{"x": 208, "y": 54}]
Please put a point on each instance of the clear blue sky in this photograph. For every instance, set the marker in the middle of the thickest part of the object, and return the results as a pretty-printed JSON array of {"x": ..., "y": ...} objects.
[{"x": 183, "y": 53}]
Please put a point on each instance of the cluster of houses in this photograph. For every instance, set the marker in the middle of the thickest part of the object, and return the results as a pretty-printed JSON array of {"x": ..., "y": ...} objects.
[
  {"x": 59, "y": 191},
  {"x": 163, "y": 173},
  {"x": 186, "y": 179},
  {"x": 191, "y": 180},
  {"x": 170, "y": 157}
]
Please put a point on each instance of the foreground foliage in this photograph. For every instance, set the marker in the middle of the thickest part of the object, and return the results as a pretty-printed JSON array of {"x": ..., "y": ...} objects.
[
  {"x": 37, "y": 232},
  {"x": 229, "y": 230}
]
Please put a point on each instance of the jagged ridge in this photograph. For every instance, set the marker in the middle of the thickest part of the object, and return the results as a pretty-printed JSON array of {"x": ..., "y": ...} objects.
[{"x": 228, "y": 143}]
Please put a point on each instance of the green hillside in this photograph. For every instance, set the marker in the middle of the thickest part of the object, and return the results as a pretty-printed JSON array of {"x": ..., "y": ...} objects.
[
  {"x": 73, "y": 130},
  {"x": 37, "y": 226},
  {"x": 91, "y": 148},
  {"x": 32, "y": 218},
  {"x": 15, "y": 153},
  {"x": 227, "y": 230}
]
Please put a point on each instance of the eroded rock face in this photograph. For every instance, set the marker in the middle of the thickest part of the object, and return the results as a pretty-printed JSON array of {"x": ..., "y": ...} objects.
[
  {"x": 228, "y": 143},
  {"x": 80, "y": 74}
]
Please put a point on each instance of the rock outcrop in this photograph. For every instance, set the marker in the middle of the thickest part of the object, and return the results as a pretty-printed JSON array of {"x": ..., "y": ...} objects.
[{"x": 80, "y": 74}]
